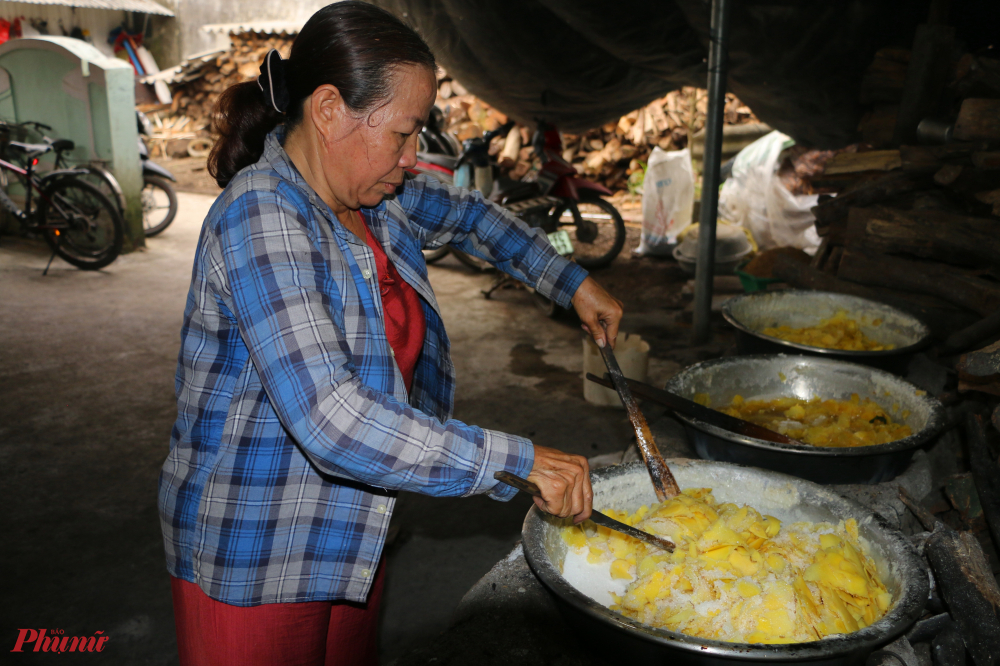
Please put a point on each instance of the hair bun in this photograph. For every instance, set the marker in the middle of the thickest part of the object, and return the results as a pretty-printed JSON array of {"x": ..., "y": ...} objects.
[{"x": 273, "y": 81}]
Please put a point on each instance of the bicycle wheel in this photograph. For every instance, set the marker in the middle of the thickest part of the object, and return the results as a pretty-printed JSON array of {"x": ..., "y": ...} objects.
[
  {"x": 473, "y": 262},
  {"x": 598, "y": 230},
  {"x": 80, "y": 224},
  {"x": 159, "y": 204},
  {"x": 430, "y": 256},
  {"x": 8, "y": 224},
  {"x": 105, "y": 183}
]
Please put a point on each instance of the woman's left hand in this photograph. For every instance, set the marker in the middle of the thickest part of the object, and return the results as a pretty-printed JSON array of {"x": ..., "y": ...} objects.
[{"x": 599, "y": 311}]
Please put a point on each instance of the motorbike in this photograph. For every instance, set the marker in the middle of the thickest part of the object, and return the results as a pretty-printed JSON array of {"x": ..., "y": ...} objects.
[
  {"x": 556, "y": 199},
  {"x": 159, "y": 198}
]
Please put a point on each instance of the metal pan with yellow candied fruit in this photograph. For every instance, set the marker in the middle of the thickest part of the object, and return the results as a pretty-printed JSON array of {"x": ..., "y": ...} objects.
[
  {"x": 840, "y": 331},
  {"x": 736, "y": 575},
  {"x": 835, "y": 423}
]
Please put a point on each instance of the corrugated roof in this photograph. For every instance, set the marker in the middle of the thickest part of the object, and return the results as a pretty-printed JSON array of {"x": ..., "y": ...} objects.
[
  {"x": 258, "y": 27},
  {"x": 143, "y": 6}
]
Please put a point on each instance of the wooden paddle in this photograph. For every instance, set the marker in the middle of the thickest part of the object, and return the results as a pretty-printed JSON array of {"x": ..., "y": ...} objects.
[
  {"x": 694, "y": 410},
  {"x": 663, "y": 479}
]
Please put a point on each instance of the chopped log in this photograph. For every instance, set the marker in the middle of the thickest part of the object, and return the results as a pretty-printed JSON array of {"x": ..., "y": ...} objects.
[
  {"x": 947, "y": 174},
  {"x": 986, "y": 159},
  {"x": 969, "y": 589},
  {"x": 983, "y": 329},
  {"x": 978, "y": 119},
  {"x": 926, "y": 78},
  {"x": 980, "y": 370},
  {"x": 953, "y": 285},
  {"x": 985, "y": 470},
  {"x": 511, "y": 149},
  {"x": 873, "y": 160},
  {"x": 932, "y": 234},
  {"x": 871, "y": 192},
  {"x": 967, "y": 180},
  {"x": 983, "y": 362},
  {"x": 638, "y": 131},
  {"x": 992, "y": 198},
  {"x": 932, "y": 158},
  {"x": 977, "y": 77}
]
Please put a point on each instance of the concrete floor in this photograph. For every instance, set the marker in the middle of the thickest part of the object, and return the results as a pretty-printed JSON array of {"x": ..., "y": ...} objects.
[{"x": 86, "y": 405}]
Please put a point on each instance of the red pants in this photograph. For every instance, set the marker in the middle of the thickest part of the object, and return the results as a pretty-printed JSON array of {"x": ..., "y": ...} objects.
[{"x": 315, "y": 633}]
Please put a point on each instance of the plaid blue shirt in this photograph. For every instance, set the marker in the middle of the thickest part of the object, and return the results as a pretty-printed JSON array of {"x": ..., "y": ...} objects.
[{"x": 294, "y": 428}]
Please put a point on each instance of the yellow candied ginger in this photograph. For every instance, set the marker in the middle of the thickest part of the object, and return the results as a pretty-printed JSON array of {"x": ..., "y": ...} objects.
[
  {"x": 838, "y": 423},
  {"x": 837, "y": 332},
  {"x": 737, "y": 575}
]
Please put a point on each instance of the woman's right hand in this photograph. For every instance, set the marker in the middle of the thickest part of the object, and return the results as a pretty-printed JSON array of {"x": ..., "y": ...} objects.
[{"x": 564, "y": 480}]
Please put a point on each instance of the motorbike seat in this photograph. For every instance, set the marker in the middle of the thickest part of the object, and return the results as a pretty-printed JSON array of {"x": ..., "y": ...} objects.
[
  {"x": 446, "y": 161},
  {"x": 63, "y": 145},
  {"x": 508, "y": 190},
  {"x": 30, "y": 149}
]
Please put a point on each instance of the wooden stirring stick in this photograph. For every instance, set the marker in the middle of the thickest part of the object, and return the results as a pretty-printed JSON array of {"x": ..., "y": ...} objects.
[{"x": 663, "y": 480}]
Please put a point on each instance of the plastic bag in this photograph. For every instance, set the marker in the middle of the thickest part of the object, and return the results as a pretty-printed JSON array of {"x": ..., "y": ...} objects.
[
  {"x": 755, "y": 197},
  {"x": 667, "y": 200}
]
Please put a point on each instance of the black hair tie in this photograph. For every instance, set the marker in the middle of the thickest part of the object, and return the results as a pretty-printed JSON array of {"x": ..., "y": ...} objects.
[{"x": 273, "y": 80}]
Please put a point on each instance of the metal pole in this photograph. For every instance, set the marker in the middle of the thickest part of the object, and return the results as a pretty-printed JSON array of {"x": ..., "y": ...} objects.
[{"x": 717, "y": 57}]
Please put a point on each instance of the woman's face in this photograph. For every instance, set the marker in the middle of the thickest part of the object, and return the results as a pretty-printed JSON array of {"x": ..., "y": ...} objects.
[{"x": 364, "y": 157}]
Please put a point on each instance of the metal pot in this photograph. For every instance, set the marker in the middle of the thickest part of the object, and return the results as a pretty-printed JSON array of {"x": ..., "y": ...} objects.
[
  {"x": 767, "y": 377},
  {"x": 752, "y": 313},
  {"x": 785, "y": 497}
]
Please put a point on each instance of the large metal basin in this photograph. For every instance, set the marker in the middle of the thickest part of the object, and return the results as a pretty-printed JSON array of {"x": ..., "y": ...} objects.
[
  {"x": 752, "y": 313},
  {"x": 787, "y": 498},
  {"x": 767, "y": 377}
]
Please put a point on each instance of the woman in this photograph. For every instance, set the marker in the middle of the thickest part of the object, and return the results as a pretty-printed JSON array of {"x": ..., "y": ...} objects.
[{"x": 314, "y": 378}]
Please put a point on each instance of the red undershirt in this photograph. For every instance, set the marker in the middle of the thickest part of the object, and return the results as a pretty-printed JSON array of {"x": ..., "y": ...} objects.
[{"x": 405, "y": 325}]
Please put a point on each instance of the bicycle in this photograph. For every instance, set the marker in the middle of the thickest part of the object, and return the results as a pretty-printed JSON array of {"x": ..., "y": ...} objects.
[
  {"x": 96, "y": 174},
  {"x": 78, "y": 222},
  {"x": 159, "y": 200}
]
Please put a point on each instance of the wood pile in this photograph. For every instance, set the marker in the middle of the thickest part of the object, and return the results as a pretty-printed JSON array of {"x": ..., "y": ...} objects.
[
  {"x": 196, "y": 87},
  {"x": 609, "y": 154},
  {"x": 919, "y": 223}
]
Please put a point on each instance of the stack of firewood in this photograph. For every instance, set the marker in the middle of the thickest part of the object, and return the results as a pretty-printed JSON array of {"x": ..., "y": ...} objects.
[
  {"x": 197, "y": 95},
  {"x": 184, "y": 127},
  {"x": 610, "y": 153},
  {"x": 918, "y": 224}
]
